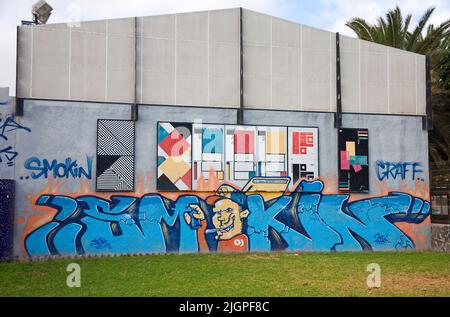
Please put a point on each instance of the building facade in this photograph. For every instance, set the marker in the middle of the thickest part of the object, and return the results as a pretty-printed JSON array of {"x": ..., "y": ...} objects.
[{"x": 216, "y": 131}]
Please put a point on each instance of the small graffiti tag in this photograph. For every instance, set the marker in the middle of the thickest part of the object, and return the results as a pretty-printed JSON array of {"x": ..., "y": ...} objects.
[
  {"x": 9, "y": 125},
  {"x": 381, "y": 238},
  {"x": 7, "y": 152},
  {"x": 404, "y": 244},
  {"x": 100, "y": 243}
]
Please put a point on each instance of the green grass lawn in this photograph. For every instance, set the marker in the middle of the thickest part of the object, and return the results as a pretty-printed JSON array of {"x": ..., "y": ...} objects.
[{"x": 251, "y": 274}]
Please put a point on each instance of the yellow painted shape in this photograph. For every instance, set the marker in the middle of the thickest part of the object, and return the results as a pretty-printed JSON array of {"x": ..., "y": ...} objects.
[
  {"x": 174, "y": 167},
  {"x": 350, "y": 148},
  {"x": 276, "y": 142}
]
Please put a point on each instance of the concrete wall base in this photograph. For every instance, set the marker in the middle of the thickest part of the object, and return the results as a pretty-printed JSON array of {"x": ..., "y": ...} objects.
[{"x": 440, "y": 237}]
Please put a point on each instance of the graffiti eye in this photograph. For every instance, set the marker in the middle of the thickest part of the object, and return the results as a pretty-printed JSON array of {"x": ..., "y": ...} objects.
[{"x": 229, "y": 209}]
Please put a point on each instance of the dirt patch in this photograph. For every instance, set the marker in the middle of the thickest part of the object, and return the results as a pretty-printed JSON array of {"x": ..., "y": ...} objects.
[
  {"x": 262, "y": 257},
  {"x": 417, "y": 284}
]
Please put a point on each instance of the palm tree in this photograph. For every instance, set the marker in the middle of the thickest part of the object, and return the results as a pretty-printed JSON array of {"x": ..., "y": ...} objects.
[
  {"x": 394, "y": 31},
  {"x": 427, "y": 39}
]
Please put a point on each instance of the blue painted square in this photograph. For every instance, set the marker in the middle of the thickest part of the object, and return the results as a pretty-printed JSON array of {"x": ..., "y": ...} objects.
[{"x": 212, "y": 140}]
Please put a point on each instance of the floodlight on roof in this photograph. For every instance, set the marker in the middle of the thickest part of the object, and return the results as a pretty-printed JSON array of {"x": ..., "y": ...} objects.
[{"x": 41, "y": 11}]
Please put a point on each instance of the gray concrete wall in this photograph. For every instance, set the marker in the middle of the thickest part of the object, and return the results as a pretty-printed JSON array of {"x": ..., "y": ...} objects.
[
  {"x": 63, "y": 129},
  {"x": 67, "y": 130}
]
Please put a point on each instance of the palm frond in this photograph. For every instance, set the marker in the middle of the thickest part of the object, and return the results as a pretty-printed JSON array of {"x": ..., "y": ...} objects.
[{"x": 419, "y": 28}]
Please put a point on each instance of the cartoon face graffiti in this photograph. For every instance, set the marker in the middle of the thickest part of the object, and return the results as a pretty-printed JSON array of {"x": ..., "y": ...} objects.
[{"x": 228, "y": 216}]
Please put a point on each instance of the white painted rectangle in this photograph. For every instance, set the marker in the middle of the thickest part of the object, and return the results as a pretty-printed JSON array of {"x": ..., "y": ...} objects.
[
  {"x": 207, "y": 166},
  {"x": 243, "y": 166},
  {"x": 244, "y": 157}
]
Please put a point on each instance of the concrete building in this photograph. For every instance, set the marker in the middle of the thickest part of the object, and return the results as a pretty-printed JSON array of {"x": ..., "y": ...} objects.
[{"x": 224, "y": 130}]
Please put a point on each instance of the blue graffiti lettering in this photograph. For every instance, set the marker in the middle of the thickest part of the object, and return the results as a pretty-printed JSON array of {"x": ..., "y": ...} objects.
[
  {"x": 397, "y": 170},
  {"x": 66, "y": 169},
  {"x": 306, "y": 219}
]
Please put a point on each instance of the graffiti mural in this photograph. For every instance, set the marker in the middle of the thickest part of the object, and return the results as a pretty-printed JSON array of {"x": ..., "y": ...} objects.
[
  {"x": 69, "y": 168},
  {"x": 115, "y": 155},
  {"x": 8, "y": 126},
  {"x": 261, "y": 216},
  {"x": 386, "y": 170},
  {"x": 353, "y": 160}
]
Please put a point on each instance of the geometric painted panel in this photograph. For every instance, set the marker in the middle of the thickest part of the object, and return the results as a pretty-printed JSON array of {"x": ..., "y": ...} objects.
[
  {"x": 189, "y": 153},
  {"x": 353, "y": 160},
  {"x": 272, "y": 151},
  {"x": 240, "y": 153},
  {"x": 174, "y": 156},
  {"x": 115, "y": 155},
  {"x": 208, "y": 154},
  {"x": 303, "y": 144}
]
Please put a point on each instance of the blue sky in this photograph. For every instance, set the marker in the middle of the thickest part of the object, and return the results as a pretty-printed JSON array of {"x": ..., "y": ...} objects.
[{"x": 330, "y": 15}]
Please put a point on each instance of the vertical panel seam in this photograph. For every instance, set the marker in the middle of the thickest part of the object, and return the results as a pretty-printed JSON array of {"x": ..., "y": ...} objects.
[
  {"x": 359, "y": 77},
  {"x": 142, "y": 59},
  {"x": 331, "y": 72},
  {"x": 208, "y": 61},
  {"x": 298, "y": 66},
  {"x": 135, "y": 62},
  {"x": 388, "y": 81},
  {"x": 415, "y": 83},
  {"x": 31, "y": 61},
  {"x": 301, "y": 68},
  {"x": 106, "y": 60},
  {"x": 271, "y": 62},
  {"x": 175, "y": 62},
  {"x": 70, "y": 62}
]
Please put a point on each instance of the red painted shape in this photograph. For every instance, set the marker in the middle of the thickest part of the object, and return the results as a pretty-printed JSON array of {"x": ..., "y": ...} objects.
[
  {"x": 187, "y": 179},
  {"x": 295, "y": 142},
  {"x": 306, "y": 139},
  {"x": 174, "y": 144},
  {"x": 357, "y": 168},
  {"x": 244, "y": 142},
  {"x": 345, "y": 161}
]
